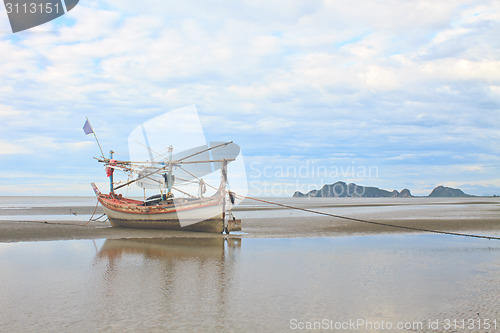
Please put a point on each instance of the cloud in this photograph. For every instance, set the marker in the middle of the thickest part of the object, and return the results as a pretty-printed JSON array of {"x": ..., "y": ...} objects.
[
  {"x": 7, "y": 148},
  {"x": 397, "y": 85}
]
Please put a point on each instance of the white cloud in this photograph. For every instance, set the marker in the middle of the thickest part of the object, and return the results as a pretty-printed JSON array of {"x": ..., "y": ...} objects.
[
  {"x": 401, "y": 81},
  {"x": 41, "y": 145},
  {"x": 7, "y": 148}
]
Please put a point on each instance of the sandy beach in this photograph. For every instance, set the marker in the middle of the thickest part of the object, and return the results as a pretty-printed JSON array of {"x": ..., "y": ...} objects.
[{"x": 475, "y": 215}]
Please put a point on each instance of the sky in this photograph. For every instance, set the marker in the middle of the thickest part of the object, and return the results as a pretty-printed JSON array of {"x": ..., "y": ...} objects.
[{"x": 394, "y": 94}]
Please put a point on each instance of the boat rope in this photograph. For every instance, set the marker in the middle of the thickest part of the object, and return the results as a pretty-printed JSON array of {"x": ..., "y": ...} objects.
[
  {"x": 92, "y": 219},
  {"x": 95, "y": 209},
  {"x": 97, "y": 218},
  {"x": 356, "y": 219},
  {"x": 369, "y": 222}
]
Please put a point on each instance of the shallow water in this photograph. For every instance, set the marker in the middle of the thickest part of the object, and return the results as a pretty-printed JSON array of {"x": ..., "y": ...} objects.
[
  {"x": 265, "y": 285},
  {"x": 34, "y": 201}
]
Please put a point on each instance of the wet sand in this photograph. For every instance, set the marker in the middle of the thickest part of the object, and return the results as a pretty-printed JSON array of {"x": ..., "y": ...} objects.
[{"x": 474, "y": 215}]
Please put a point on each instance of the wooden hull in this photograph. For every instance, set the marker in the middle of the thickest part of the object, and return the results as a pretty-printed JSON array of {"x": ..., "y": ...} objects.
[{"x": 200, "y": 215}]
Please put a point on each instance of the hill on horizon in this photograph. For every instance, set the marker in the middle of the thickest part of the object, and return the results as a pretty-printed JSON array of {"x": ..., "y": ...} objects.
[
  {"x": 447, "y": 192},
  {"x": 342, "y": 190}
]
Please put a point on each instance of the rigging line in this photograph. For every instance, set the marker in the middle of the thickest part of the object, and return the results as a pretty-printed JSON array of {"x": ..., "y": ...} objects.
[
  {"x": 371, "y": 222},
  {"x": 163, "y": 168},
  {"x": 185, "y": 180},
  {"x": 151, "y": 179},
  {"x": 128, "y": 179},
  {"x": 188, "y": 172},
  {"x": 152, "y": 151},
  {"x": 133, "y": 181},
  {"x": 199, "y": 179},
  {"x": 190, "y": 195},
  {"x": 202, "y": 151},
  {"x": 146, "y": 140},
  {"x": 176, "y": 163}
]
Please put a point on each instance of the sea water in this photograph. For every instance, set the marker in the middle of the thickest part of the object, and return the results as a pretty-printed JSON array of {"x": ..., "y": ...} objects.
[{"x": 250, "y": 284}]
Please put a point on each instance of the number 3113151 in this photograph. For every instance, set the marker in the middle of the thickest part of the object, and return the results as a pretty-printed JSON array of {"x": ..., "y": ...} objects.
[{"x": 32, "y": 8}]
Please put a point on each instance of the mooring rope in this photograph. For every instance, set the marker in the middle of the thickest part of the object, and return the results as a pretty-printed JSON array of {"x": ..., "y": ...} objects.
[
  {"x": 370, "y": 222},
  {"x": 92, "y": 217},
  {"x": 343, "y": 217}
]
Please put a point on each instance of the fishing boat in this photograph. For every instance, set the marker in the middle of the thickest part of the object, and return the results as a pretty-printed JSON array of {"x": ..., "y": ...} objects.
[
  {"x": 163, "y": 211},
  {"x": 171, "y": 207}
]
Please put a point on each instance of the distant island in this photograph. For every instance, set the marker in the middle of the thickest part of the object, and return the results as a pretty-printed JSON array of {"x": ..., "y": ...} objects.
[
  {"x": 343, "y": 190},
  {"x": 443, "y": 191}
]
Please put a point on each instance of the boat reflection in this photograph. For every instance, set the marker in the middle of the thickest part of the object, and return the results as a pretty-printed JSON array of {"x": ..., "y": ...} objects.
[
  {"x": 174, "y": 276},
  {"x": 181, "y": 247}
]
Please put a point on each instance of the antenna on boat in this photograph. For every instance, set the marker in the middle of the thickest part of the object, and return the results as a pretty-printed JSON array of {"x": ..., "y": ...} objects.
[{"x": 87, "y": 128}]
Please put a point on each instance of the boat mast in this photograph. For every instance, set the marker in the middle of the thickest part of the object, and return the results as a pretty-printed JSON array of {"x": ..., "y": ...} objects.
[
  {"x": 169, "y": 174},
  {"x": 111, "y": 176},
  {"x": 223, "y": 169}
]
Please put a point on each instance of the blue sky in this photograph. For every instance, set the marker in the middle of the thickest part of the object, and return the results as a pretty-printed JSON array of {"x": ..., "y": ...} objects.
[{"x": 390, "y": 93}]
